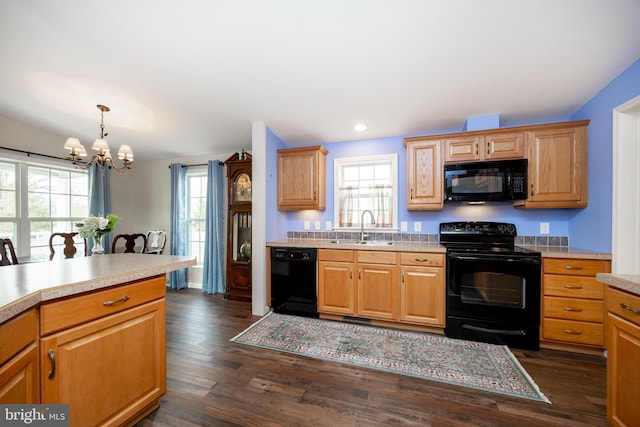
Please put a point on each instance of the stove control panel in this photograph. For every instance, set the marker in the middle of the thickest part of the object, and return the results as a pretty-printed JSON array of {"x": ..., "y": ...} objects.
[{"x": 478, "y": 228}]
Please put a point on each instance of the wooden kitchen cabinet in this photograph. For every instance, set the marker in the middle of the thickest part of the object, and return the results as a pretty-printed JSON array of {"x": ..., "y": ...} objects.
[
  {"x": 377, "y": 285},
  {"x": 490, "y": 146},
  {"x": 424, "y": 174},
  {"x": 573, "y": 301},
  {"x": 557, "y": 174},
  {"x": 19, "y": 381},
  {"x": 104, "y": 353},
  {"x": 302, "y": 178},
  {"x": 422, "y": 288},
  {"x": 336, "y": 285},
  {"x": 623, "y": 370}
]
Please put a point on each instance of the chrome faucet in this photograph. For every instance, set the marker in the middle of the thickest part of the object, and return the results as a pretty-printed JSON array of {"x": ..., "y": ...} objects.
[{"x": 373, "y": 221}]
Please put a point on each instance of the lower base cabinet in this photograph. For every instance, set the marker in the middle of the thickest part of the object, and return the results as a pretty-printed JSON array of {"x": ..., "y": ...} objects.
[
  {"x": 19, "y": 360},
  {"x": 422, "y": 289},
  {"x": 104, "y": 353},
  {"x": 623, "y": 369}
]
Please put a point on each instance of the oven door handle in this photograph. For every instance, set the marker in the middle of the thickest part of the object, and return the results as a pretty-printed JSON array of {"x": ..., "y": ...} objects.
[
  {"x": 519, "y": 332},
  {"x": 495, "y": 258}
]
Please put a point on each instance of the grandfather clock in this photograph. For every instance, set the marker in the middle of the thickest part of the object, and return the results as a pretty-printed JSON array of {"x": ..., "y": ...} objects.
[{"x": 238, "y": 286}]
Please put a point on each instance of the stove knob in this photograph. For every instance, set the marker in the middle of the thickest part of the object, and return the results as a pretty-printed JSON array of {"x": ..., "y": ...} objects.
[
  {"x": 501, "y": 228},
  {"x": 511, "y": 228}
]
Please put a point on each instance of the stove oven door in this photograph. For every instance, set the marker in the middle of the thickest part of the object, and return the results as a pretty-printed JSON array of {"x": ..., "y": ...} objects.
[{"x": 494, "y": 298}]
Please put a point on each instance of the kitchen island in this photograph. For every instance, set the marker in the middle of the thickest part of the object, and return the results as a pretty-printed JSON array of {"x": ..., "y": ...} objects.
[{"x": 88, "y": 332}]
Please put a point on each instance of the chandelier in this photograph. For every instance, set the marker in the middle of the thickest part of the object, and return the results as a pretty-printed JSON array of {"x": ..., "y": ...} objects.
[{"x": 103, "y": 157}]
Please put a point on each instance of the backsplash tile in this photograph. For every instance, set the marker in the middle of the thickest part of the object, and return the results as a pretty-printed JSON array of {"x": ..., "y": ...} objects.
[{"x": 556, "y": 241}]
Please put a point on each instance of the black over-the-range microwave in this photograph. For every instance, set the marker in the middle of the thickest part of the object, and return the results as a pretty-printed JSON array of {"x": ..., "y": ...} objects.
[{"x": 488, "y": 181}]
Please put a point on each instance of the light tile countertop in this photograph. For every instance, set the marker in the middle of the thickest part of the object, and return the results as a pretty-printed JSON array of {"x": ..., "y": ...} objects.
[
  {"x": 402, "y": 246},
  {"x": 625, "y": 282},
  {"x": 24, "y": 286}
]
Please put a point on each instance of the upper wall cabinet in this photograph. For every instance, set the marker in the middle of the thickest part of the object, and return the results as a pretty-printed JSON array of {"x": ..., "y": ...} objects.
[
  {"x": 484, "y": 147},
  {"x": 424, "y": 174},
  {"x": 557, "y": 154},
  {"x": 557, "y": 175},
  {"x": 302, "y": 178}
]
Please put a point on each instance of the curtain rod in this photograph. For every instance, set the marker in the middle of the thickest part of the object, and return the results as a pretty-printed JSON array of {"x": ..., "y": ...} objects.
[
  {"x": 30, "y": 153},
  {"x": 199, "y": 164}
]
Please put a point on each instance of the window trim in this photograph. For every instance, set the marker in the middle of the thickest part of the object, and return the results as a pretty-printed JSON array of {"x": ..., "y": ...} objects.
[{"x": 361, "y": 160}]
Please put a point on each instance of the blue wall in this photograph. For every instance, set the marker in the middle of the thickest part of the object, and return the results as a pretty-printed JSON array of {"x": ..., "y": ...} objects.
[
  {"x": 588, "y": 228},
  {"x": 591, "y": 227}
]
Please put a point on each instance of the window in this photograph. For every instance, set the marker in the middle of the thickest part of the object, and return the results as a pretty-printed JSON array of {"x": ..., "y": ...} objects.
[
  {"x": 196, "y": 211},
  {"x": 366, "y": 183},
  {"x": 37, "y": 200}
]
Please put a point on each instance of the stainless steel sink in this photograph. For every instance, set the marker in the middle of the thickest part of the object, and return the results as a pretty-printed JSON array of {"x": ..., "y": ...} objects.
[{"x": 362, "y": 242}]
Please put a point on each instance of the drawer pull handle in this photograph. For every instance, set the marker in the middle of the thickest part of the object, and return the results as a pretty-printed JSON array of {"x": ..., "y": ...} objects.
[
  {"x": 570, "y": 332},
  {"x": 572, "y": 267},
  {"x": 52, "y": 357},
  {"x": 572, "y": 287},
  {"x": 116, "y": 301},
  {"x": 631, "y": 309},
  {"x": 578, "y": 310},
  {"x": 421, "y": 259}
]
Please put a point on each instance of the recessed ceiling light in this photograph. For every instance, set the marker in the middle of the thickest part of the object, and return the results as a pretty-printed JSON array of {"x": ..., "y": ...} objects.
[{"x": 360, "y": 127}]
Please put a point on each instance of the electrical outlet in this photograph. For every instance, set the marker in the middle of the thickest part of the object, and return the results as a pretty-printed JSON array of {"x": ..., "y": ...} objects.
[
  {"x": 327, "y": 225},
  {"x": 403, "y": 226},
  {"x": 307, "y": 225},
  {"x": 417, "y": 226},
  {"x": 317, "y": 225},
  {"x": 544, "y": 228}
]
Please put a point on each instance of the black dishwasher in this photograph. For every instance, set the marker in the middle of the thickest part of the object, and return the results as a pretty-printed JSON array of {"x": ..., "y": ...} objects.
[{"x": 293, "y": 281}]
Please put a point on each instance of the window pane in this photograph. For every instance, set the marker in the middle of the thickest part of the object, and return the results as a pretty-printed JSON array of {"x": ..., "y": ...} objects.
[
  {"x": 60, "y": 205},
  {"x": 39, "y": 206},
  {"x": 7, "y": 176},
  {"x": 79, "y": 205},
  {"x": 38, "y": 179},
  {"x": 7, "y": 204}
]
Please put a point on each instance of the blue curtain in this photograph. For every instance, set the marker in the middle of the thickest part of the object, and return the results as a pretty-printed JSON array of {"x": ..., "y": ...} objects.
[
  {"x": 213, "y": 273},
  {"x": 178, "y": 223},
  {"x": 100, "y": 200}
]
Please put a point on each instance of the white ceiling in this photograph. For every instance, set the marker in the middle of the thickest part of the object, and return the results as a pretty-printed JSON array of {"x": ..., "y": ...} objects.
[{"x": 189, "y": 77}]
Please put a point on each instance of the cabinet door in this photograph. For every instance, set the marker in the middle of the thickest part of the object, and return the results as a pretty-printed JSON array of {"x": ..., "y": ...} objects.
[
  {"x": 462, "y": 149},
  {"x": 504, "y": 146},
  {"x": 424, "y": 175},
  {"x": 107, "y": 370},
  {"x": 301, "y": 178},
  {"x": 422, "y": 299},
  {"x": 557, "y": 168},
  {"x": 336, "y": 291},
  {"x": 19, "y": 378},
  {"x": 623, "y": 371},
  {"x": 377, "y": 291}
]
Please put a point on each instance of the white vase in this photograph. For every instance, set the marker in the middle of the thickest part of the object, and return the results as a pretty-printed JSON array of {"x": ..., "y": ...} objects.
[{"x": 97, "y": 245}]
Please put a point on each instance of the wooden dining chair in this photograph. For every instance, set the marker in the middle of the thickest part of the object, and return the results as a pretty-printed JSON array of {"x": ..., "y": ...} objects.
[
  {"x": 7, "y": 252},
  {"x": 130, "y": 241},
  {"x": 156, "y": 241},
  {"x": 69, "y": 244}
]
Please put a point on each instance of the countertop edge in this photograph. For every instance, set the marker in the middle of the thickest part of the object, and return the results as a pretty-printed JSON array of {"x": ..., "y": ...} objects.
[
  {"x": 32, "y": 299},
  {"x": 625, "y": 282}
]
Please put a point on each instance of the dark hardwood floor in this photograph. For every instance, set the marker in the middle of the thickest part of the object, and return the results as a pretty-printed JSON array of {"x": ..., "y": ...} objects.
[{"x": 214, "y": 382}]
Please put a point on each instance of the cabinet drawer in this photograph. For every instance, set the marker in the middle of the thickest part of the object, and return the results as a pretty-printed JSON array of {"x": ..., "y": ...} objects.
[
  {"x": 377, "y": 257},
  {"x": 574, "y": 309},
  {"x": 17, "y": 333},
  {"x": 573, "y": 331},
  {"x": 419, "y": 258},
  {"x": 75, "y": 310},
  {"x": 575, "y": 267},
  {"x": 624, "y": 305},
  {"x": 335, "y": 255},
  {"x": 573, "y": 286}
]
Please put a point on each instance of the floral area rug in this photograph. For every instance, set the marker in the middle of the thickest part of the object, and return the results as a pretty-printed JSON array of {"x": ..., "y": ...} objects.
[{"x": 432, "y": 357}]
